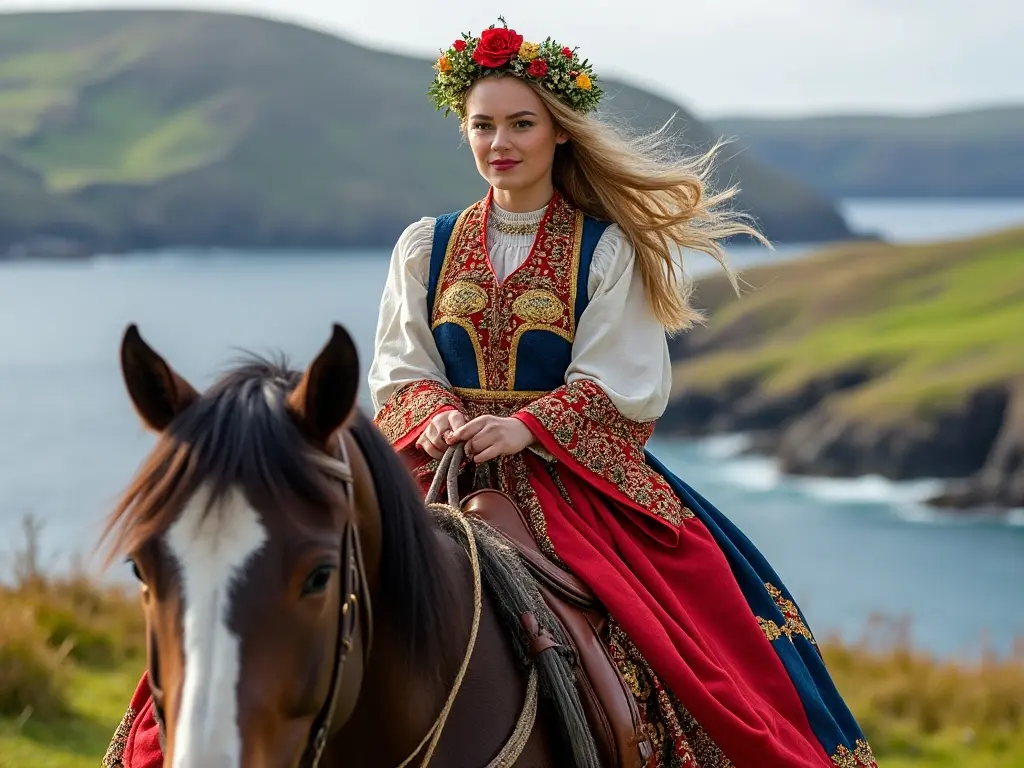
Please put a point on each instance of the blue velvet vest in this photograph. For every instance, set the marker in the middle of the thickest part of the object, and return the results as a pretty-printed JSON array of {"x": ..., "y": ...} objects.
[{"x": 516, "y": 337}]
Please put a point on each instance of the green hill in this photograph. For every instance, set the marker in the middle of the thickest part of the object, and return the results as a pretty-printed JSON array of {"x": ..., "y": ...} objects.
[
  {"x": 131, "y": 129},
  {"x": 975, "y": 153},
  {"x": 899, "y": 360}
]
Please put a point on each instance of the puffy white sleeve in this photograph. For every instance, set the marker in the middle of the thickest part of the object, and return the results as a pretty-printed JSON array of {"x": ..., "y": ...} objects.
[
  {"x": 404, "y": 348},
  {"x": 620, "y": 345}
]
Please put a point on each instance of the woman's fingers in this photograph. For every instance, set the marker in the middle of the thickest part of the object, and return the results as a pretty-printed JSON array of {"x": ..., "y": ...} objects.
[
  {"x": 470, "y": 429},
  {"x": 483, "y": 441},
  {"x": 427, "y": 445},
  {"x": 492, "y": 451}
]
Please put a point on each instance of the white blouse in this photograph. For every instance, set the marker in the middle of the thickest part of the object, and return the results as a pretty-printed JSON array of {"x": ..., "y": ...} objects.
[{"x": 619, "y": 344}]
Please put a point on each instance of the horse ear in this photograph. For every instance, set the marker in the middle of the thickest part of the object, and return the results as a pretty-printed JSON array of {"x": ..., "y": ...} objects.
[
  {"x": 326, "y": 395},
  {"x": 157, "y": 391}
]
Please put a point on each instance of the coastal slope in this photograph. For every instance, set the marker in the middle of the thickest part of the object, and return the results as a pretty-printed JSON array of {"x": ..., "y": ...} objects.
[
  {"x": 966, "y": 153},
  {"x": 149, "y": 129},
  {"x": 903, "y": 361}
]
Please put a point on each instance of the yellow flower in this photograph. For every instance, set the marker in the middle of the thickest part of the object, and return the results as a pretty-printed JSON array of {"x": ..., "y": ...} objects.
[
  {"x": 583, "y": 81},
  {"x": 529, "y": 51},
  {"x": 443, "y": 65}
]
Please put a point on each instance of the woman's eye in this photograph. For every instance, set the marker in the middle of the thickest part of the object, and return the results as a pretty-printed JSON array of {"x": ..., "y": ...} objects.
[{"x": 523, "y": 124}]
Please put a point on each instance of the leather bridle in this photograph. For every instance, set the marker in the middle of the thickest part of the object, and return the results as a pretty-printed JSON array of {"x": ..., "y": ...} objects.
[
  {"x": 355, "y": 613},
  {"x": 355, "y": 595}
]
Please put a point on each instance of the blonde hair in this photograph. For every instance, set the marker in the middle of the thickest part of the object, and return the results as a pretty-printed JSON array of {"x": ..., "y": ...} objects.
[{"x": 659, "y": 200}]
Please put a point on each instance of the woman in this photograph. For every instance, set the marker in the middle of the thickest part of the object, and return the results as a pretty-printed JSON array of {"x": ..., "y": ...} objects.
[{"x": 532, "y": 327}]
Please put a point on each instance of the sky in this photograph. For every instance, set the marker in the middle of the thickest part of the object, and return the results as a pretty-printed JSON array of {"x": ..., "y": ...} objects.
[{"x": 717, "y": 57}]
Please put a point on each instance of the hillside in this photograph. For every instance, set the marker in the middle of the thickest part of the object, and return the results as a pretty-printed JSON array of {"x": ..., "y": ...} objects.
[
  {"x": 126, "y": 129},
  {"x": 870, "y": 358},
  {"x": 976, "y": 153}
]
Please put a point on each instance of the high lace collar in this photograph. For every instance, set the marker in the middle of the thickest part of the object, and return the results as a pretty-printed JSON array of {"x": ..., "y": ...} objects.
[{"x": 509, "y": 226}]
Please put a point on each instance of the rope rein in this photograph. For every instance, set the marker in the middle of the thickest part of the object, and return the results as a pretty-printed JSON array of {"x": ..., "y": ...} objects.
[{"x": 449, "y": 467}]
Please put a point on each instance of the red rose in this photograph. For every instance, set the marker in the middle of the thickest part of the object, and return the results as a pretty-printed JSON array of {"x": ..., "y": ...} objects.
[
  {"x": 537, "y": 68},
  {"x": 459, "y": 45},
  {"x": 496, "y": 47},
  {"x": 567, "y": 52}
]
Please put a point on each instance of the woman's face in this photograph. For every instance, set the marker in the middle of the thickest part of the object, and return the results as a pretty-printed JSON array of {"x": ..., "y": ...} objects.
[{"x": 512, "y": 135}]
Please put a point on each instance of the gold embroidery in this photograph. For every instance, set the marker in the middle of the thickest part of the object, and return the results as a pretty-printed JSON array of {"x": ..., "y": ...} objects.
[
  {"x": 574, "y": 267},
  {"x": 514, "y": 479},
  {"x": 115, "y": 751},
  {"x": 462, "y": 299},
  {"x": 520, "y": 229},
  {"x": 861, "y": 757},
  {"x": 770, "y": 628},
  {"x": 679, "y": 740},
  {"x": 586, "y": 424},
  {"x": 863, "y": 753},
  {"x": 843, "y": 758},
  {"x": 411, "y": 405},
  {"x": 514, "y": 398},
  {"x": 795, "y": 624},
  {"x": 538, "y": 306}
]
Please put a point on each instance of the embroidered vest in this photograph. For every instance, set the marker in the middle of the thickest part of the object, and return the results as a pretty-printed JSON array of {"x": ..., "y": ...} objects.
[{"x": 517, "y": 336}]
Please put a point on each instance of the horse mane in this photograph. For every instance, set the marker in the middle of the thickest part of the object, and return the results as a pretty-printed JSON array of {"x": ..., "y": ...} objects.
[
  {"x": 239, "y": 435},
  {"x": 417, "y": 585}
]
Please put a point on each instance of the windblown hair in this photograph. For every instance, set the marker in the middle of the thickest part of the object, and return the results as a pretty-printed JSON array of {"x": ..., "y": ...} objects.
[
  {"x": 239, "y": 435},
  {"x": 663, "y": 203}
]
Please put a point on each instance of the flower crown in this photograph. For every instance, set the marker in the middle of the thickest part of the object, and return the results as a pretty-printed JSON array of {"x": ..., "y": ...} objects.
[{"x": 548, "y": 64}]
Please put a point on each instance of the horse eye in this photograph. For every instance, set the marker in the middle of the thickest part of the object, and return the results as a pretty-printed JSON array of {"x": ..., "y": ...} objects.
[
  {"x": 135, "y": 570},
  {"x": 318, "y": 580}
]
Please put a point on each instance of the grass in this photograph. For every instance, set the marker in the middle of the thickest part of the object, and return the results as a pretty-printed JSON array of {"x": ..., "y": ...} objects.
[
  {"x": 65, "y": 682},
  {"x": 935, "y": 321},
  {"x": 123, "y": 136},
  {"x": 70, "y": 655},
  {"x": 923, "y": 712}
]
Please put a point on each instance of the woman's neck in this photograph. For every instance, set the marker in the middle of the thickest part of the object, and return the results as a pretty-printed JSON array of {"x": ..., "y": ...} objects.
[{"x": 523, "y": 200}]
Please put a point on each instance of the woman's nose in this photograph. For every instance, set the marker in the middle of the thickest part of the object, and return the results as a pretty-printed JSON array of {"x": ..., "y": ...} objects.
[{"x": 500, "y": 140}]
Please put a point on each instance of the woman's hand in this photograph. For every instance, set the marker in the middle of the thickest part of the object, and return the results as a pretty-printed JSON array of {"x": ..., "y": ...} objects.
[
  {"x": 435, "y": 437},
  {"x": 488, "y": 437}
]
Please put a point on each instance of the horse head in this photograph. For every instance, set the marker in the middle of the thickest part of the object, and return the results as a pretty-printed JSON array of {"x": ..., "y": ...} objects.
[{"x": 244, "y": 531}]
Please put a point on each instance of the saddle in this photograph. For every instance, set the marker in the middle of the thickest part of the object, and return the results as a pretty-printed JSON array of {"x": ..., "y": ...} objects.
[{"x": 612, "y": 713}]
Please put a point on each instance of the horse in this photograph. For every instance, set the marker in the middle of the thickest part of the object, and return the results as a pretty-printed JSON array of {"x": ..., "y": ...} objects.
[{"x": 303, "y": 603}]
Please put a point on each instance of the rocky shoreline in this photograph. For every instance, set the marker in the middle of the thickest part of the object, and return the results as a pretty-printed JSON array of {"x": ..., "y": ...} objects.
[
  {"x": 869, "y": 359},
  {"x": 977, "y": 447}
]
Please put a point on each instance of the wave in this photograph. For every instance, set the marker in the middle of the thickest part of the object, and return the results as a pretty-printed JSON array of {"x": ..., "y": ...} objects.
[
  {"x": 727, "y": 459},
  {"x": 868, "y": 489}
]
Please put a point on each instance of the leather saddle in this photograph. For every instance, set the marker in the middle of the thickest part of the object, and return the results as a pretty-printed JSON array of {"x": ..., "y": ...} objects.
[{"x": 611, "y": 711}]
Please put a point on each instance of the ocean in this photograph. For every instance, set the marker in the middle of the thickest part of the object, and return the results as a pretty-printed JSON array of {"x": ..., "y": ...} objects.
[{"x": 69, "y": 440}]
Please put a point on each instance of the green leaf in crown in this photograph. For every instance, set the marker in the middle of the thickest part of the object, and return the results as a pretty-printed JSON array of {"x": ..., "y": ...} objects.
[{"x": 549, "y": 64}]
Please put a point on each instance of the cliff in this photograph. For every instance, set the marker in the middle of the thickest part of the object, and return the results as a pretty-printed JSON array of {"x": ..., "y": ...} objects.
[{"x": 905, "y": 361}]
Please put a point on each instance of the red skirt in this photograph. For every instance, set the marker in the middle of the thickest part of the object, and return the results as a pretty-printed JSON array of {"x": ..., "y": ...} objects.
[{"x": 678, "y": 601}]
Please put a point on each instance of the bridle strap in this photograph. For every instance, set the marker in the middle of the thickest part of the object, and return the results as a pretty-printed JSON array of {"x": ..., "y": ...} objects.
[
  {"x": 354, "y": 613},
  {"x": 354, "y": 595}
]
